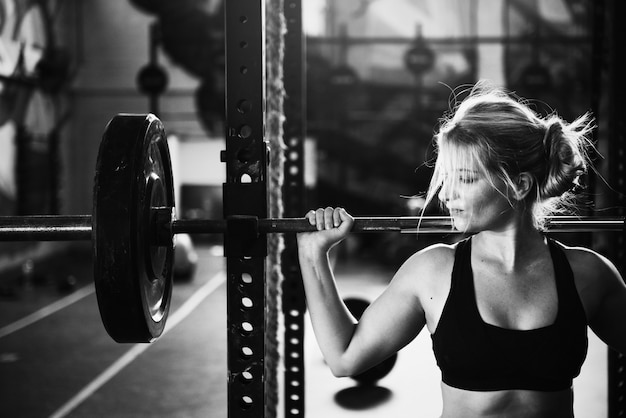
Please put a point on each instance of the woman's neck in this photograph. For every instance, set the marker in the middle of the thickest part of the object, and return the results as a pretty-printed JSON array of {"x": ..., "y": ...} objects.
[{"x": 512, "y": 247}]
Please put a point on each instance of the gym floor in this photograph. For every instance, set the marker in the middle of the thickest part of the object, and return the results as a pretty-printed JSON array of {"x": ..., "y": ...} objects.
[{"x": 57, "y": 360}]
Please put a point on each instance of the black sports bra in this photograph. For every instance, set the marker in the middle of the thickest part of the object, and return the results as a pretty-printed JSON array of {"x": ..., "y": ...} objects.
[{"x": 477, "y": 356}]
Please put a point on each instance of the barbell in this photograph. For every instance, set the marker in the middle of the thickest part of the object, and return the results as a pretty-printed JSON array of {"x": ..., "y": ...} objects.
[
  {"x": 79, "y": 227},
  {"x": 133, "y": 224}
]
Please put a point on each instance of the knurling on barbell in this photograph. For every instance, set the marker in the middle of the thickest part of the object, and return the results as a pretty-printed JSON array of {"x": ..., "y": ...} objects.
[{"x": 132, "y": 227}]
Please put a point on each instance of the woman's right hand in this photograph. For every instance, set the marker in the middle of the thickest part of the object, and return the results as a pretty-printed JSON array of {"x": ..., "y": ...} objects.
[{"x": 333, "y": 225}]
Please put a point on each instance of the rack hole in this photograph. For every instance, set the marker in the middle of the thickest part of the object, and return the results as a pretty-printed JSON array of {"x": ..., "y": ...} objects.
[
  {"x": 246, "y": 402},
  {"x": 244, "y": 155},
  {"x": 244, "y": 106},
  {"x": 246, "y": 328},
  {"x": 246, "y": 278},
  {"x": 245, "y": 131},
  {"x": 246, "y": 303}
]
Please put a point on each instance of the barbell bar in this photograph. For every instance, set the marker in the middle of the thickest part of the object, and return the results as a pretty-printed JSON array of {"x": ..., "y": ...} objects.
[
  {"x": 133, "y": 224},
  {"x": 79, "y": 227}
]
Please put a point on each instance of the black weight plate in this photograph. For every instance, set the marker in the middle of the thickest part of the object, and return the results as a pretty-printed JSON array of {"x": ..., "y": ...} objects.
[{"x": 133, "y": 276}]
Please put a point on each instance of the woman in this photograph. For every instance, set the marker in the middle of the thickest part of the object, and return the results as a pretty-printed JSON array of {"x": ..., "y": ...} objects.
[{"x": 507, "y": 308}]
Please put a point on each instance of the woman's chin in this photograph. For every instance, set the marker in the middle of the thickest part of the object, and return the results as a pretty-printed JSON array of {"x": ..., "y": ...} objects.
[{"x": 462, "y": 225}]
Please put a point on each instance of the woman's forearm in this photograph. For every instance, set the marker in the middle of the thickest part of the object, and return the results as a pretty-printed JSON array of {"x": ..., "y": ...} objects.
[{"x": 333, "y": 324}]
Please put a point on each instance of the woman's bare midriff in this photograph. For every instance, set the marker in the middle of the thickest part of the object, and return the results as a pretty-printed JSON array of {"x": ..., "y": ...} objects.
[{"x": 507, "y": 403}]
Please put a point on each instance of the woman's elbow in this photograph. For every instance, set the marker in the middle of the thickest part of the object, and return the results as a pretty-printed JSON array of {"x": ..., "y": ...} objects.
[
  {"x": 340, "y": 371},
  {"x": 342, "y": 368}
]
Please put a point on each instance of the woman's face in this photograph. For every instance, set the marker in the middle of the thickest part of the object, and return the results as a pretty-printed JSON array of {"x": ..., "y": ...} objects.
[{"x": 475, "y": 203}]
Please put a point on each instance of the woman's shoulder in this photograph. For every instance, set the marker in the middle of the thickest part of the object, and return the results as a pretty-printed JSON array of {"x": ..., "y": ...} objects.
[
  {"x": 602, "y": 292},
  {"x": 591, "y": 268},
  {"x": 428, "y": 274},
  {"x": 433, "y": 256},
  {"x": 584, "y": 259},
  {"x": 430, "y": 265}
]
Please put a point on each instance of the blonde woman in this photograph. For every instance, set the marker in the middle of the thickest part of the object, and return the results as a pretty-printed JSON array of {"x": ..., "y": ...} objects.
[{"x": 508, "y": 308}]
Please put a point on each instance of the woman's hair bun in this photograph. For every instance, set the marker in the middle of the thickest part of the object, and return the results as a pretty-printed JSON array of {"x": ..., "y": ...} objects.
[{"x": 565, "y": 158}]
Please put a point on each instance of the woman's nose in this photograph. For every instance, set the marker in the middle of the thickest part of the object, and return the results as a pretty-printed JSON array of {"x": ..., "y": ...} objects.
[{"x": 445, "y": 192}]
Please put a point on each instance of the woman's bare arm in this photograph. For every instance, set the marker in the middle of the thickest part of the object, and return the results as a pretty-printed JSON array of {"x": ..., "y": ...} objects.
[
  {"x": 603, "y": 293},
  {"x": 388, "y": 324}
]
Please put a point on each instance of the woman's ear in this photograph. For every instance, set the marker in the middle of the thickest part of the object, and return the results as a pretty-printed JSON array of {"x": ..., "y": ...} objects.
[{"x": 524, "y": 185}]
